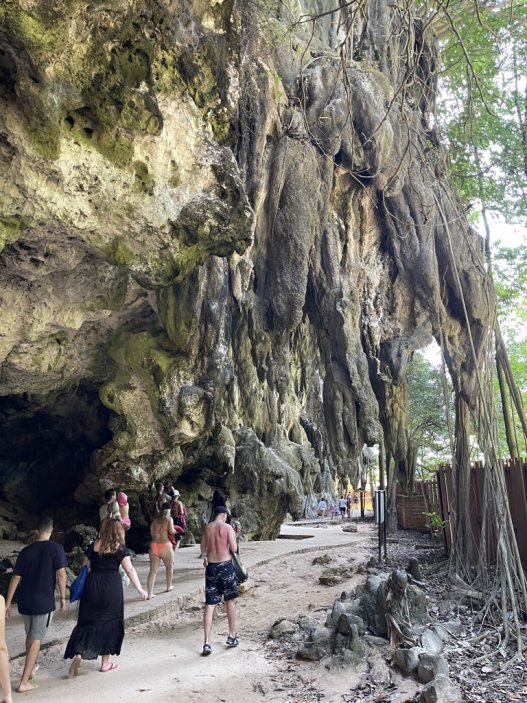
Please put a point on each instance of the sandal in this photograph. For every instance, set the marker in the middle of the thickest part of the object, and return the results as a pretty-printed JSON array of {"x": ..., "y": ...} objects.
[
  {"x": 110, "y": 667},
  {"x": 207, "y": 649},
  {"x": 232, "y": 641}
]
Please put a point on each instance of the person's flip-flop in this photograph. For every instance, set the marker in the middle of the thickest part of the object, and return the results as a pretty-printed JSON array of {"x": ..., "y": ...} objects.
[
  {"x": 207, "y": 649},
  {"x": 110, "y": 667}
]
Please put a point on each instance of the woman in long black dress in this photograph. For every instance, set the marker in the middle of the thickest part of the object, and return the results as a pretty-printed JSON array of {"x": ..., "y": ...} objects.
[{"x": 100, "y": 626}]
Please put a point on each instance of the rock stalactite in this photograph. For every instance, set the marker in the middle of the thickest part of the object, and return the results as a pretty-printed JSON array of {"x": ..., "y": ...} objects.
[{"x": 223, "y": 235}]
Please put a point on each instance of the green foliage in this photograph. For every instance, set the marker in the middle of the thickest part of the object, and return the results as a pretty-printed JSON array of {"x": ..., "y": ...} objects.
[
  {"x": 482, "y": 108},
  {"x": 484, "y": 122},
  {"x": 427, "y": 427},
  {"x": 435, "y": 523},
  {"x": 510, "y": 276}
]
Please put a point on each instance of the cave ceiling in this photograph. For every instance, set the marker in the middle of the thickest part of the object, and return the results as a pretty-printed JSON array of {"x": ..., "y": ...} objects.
[{"x": 221, "y": 242}]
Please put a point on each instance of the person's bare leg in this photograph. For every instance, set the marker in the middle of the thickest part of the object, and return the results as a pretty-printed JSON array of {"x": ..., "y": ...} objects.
[
  {"x": 207, "y": 622},
  {"x": 31, "y": 658},
  {"x": 75, "y": 666},
  {"x": 230, "y": 607},
  {"x": 168, "y": 560},
  {"x": 154, "y": 566},
  {"x": 28, "y": 645},
  {"x": 5, "y": 678}
]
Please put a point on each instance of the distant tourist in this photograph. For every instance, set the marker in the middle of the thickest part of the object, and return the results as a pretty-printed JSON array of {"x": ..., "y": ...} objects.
[
  {"x": 219, "y": 499},
  {"x": 179, "y": 511},
  {"x": 110, "y": 507},
  {"x": 169, "y": 488},
  {"x": 161, "y": 548},
  {"x": 321, "y": 507},
  {"x": 342, "y": 506},
  {"x": 217, "y": 544},
  {"x": 38, "y": 568},
  {"x": 122, "y": 502},
  {"x": 179, "y": 515},
  {"x": 161, "y": 498},
  {"x": 100, "y": 626}
]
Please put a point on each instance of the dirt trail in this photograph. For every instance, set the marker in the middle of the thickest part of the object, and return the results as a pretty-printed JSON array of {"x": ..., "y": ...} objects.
[{"x": 161, "y": 659}]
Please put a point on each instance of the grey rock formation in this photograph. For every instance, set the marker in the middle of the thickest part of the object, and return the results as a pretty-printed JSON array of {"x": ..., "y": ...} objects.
[
  {"x": 407, "y": 660},
  {"x": 317, "y": 645},
  {"x": 218, "y": 252},
  {"x": 431, "y": 665},
  {"x": 431, "y": 642},
  {"x": 440, "y": 690},
  {"x": 283, "y": 628}
]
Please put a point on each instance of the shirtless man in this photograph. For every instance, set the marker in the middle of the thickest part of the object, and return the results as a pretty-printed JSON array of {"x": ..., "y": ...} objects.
[{"x": 217, "y": 543}]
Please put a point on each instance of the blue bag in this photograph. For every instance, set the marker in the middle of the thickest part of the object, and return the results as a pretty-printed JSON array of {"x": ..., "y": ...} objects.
[{"x": 77, "y": 585}]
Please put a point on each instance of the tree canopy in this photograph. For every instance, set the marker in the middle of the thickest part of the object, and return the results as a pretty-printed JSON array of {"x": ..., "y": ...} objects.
[{"x": 482, "y": 106}]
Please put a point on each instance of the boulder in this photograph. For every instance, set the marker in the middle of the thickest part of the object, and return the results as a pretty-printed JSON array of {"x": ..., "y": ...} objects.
[
  {"x": 317, "y": 646},
  {"x": 445, "y": 630},
  {"x": 440, "y": 690},
  {"x": 374, "y": 641},
  {"x": 79, "y": 536},
  {"x": 350, "y": 625},
  {"x": 407, "y": 659},
  {"x": 417, "y": 605},
  {"x": 283, "y": 628},
  {"x": 380, "y": 674},
  {"x": 414, "y": 569},
  {"x": 343, "y": 607},
  {"x": 349, "y": 650},
  {"x": 430, "y": 666},
  {"x": 307, "y": 623},
  {"x": 431, "y": 642},
  {"x": 76, "y": 559},
  {"x": 335, "y": 575},
  {"x": 323, "y": 559}
]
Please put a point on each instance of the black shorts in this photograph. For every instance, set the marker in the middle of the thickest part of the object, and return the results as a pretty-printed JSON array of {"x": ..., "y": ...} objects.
[{"x": 220, "y": 580}]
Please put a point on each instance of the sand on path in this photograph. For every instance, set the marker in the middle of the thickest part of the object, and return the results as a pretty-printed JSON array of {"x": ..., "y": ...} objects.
[{"x": 161, "y": 659}]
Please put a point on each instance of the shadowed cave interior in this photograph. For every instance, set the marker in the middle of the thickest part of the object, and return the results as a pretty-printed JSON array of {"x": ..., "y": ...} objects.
[{"x": 46, "y": 447}]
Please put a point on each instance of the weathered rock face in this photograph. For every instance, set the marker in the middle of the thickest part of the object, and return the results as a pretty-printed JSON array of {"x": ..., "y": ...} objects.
[{"x": 220, "y": 249}]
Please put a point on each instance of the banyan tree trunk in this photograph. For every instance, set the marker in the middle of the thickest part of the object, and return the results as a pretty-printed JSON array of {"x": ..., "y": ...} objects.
[
  {"x": 464, "y": 553},
  {"x": 512, "y": 444},
  {"x": 503, "y": 360}
]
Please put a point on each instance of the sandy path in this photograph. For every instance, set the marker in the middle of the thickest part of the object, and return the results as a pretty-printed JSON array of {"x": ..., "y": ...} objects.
[{"x": 161, "y": 659}]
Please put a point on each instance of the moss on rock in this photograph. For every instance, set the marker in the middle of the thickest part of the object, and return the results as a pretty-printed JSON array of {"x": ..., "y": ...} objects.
[
  {"x": 144, "y": 182},
  {"x": 9, "y": 230},
  {"x": 140, "y": 354},
  {"x": 118, "y": 253}
]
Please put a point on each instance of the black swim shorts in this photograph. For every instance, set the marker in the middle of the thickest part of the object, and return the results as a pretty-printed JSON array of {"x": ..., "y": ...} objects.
[{"x": 220, "y": 580}]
